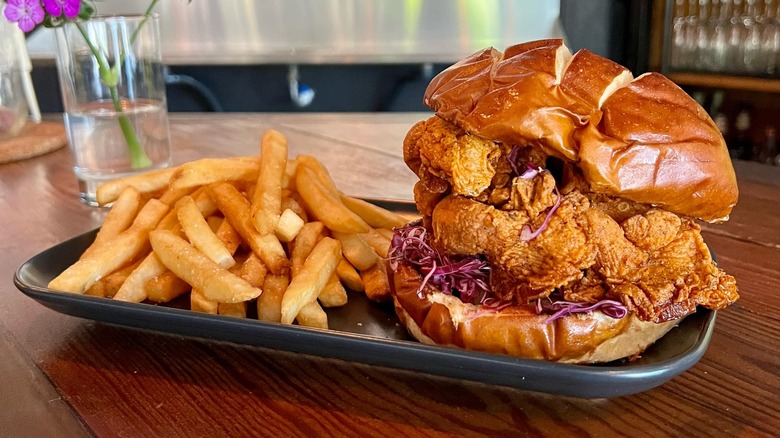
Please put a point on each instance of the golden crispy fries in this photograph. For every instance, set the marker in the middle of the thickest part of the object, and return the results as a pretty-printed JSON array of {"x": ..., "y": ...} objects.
[
  {"x": 379, "y": 243},
  {"x": 376, "y": 283},
  {"x": 269, "y": 304},
  {"x": 134, "y": 288},
  {"x": 236, "y": 310},
  {"x": 288, "y": 226},
  {"x": 312, "y": 315},
  {"x": 267, "y": 199},
  {"x": 253, "y": 270},
  {"x": 333, "y": 294},
  {"x": 165, "y": 287},
  {"x": 288, "y": 183},
  {"x": 199, "y": 233},
  {"x": 304, "y": 243},
  {"x": 289, "y": 203},
  {"x": 112, "y": 255},
  {"x": 228, "y": 236},
  {"x": 145, "y": 183},
  {"x": 326, "y": 206},
  {"x": 374, "y": 215},
  {"x": 210, "y": 170},
  {"x": 356, "y": 250},
  {"x": 388, "y": 234},
  {"x": 349, "y": 276},
  {"x": 236, "y": 210},
  {"x": 266, "y": 231},
  {"x": 201, "y": 272},
  {"x": 199, "y": 303},
  {"x": 319, "y": 170},
  {"x": 110, "y": 284},
  {"x": 172, "y": 196},
  {"x": 315, "y": 273},
  {"x": 118, "y": 218}
]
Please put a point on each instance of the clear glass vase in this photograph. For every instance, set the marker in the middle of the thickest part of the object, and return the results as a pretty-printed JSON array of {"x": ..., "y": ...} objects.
[
  {"x": 13, "y": 103},
  {"x": 113, "y": 92}
]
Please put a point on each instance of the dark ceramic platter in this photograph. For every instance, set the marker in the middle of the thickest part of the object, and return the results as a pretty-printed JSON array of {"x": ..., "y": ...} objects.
[{"x": 368, "y": 332}]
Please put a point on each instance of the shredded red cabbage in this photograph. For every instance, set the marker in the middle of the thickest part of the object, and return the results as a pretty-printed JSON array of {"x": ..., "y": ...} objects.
[
  {"x": 561, "y": 308},
  {"x": 466, "y": 277}
]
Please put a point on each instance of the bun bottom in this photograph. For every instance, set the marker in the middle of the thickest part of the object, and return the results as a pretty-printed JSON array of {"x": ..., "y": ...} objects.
[{"x": 440, "y": 319}]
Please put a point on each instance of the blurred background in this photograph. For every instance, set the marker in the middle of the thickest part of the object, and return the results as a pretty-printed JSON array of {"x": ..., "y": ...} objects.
[{"x": 379, "y": 55}]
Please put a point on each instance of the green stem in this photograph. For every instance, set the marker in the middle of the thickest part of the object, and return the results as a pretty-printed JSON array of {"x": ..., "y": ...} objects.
[{"x": 138, "y": 157}]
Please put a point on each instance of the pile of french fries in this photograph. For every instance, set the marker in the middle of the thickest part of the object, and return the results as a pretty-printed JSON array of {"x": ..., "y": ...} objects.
[{"x": 263, "y": 231}]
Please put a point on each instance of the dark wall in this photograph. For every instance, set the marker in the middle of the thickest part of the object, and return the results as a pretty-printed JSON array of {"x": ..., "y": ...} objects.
[
  {"x": 616, "y": 29},
  {"x": 338, "y": 88}
]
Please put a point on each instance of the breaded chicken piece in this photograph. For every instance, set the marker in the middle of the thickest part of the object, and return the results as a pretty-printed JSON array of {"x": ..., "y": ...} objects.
[{"x": 466, "y": 162}]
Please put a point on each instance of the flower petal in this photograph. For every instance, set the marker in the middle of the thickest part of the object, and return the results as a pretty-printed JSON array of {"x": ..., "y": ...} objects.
[
  {"x": 26, "y": 24},
  {"x": 53, "y": 7},
  {"x": 72, "y": 8},
  {"x": 12, "y": 13}
]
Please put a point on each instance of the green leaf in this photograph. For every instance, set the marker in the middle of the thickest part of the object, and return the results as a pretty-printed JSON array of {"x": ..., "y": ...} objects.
[{"x": 87, "y": 10}]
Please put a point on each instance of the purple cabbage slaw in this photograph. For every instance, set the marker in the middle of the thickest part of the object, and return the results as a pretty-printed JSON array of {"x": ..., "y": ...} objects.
[
  {"x": 561, "y": 308},
  {"x": 466, "y": 276}
]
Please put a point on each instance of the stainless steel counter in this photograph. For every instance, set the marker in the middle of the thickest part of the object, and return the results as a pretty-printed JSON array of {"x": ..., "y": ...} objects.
[{"x": 245, "y": 32}]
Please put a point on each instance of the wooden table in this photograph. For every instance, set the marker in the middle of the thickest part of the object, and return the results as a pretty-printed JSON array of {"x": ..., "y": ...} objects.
[{"x": 66, "y": 376}]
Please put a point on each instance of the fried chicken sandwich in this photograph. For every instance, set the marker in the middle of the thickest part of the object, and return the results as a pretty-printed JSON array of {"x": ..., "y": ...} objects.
[{"x": 560, "y": 197}]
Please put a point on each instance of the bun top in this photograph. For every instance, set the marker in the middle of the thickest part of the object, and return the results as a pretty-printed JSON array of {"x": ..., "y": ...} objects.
[{"x": 643, "y": 139}]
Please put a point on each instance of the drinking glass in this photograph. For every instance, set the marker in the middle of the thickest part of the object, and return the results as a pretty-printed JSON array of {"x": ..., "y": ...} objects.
[
  {"x": 113, "y": 92},
  {"x": 13, "y": 103}
]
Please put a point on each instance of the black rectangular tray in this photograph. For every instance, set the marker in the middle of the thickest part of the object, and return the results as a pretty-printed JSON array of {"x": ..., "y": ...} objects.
[{"x": 368, "y": 332}]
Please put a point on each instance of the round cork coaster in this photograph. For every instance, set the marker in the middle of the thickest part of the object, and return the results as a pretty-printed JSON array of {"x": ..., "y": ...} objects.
[{"x": 33, "y": 140}]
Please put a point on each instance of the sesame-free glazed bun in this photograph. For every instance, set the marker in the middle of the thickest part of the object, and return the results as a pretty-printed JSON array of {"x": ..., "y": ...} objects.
[
  {"x": 643, "y": 139},
  {"x": 438, "y": 319}
]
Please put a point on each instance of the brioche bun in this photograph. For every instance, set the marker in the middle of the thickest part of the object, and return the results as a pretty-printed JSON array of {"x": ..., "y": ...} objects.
[
  {"x": 643, "y": 139},
  {"x": 438, "y": 319}
]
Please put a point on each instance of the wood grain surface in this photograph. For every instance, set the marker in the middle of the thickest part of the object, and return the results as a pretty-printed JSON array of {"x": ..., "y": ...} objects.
[{"x": 125, "y": 382}]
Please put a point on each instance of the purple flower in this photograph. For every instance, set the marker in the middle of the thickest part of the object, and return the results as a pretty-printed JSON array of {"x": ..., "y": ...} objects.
[
  {"x": 27, "y": 13},
  {"x": 56, "y": 7}
]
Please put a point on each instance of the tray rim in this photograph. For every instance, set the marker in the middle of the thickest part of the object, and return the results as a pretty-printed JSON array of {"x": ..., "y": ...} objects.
[{"x": 574, "y": 380}]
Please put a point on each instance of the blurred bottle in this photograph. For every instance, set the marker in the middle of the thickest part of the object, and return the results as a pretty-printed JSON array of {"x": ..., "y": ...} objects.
[
  {"x": 741, "y": 146},
  {"x": 718, "y": 116}
]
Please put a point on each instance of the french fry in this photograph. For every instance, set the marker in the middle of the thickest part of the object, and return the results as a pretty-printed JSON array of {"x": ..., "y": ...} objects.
[
  {"x": 210, "y": 170},
  {"x": 319, "y": 170},
  {"x": 374, "y": 215},
  {"x": 118, "y": 219},
  {"x": 269, "y": 304},
  {"x": 288, "y": 182},
  {"x": 289, "y": 203},
  {"x": 198, "y": 270},
  {"x": 165, "y": 287},
  {"x": 109, "y": 285},
  {"x": 112, "y": 255},
  {"x": 236, "y": 210},
  {"x": 326, "y": 206},
  {"x": 133, "y": 290},
  {"x": 356, "y": 250},
  {"x": 139, "y": 282},
  {"x": 253, "y": 270},
  {"x": 228, "y": 236},
  {"x": 267, "y": 200},
  {"x": 388, "y": 234},
  {"x": 379, "y": 243},
  {"x": 333, "y": 294},
  {"x": 199, "y": 303},
  {"x": 145, "y": 183},
  {"x": 288, "y": 226},
  {"x": 236, "y": 310},
  {"x": 376, "y": 282},
  {"x": 172, "y": 196},
  {"x": 312, "y": 315},
  {"x": 303, "y": 244},
  {"x": 349, "y": 276},
  {"x": 315, "y": 273},
  {"x": 199, "y": 233}
]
